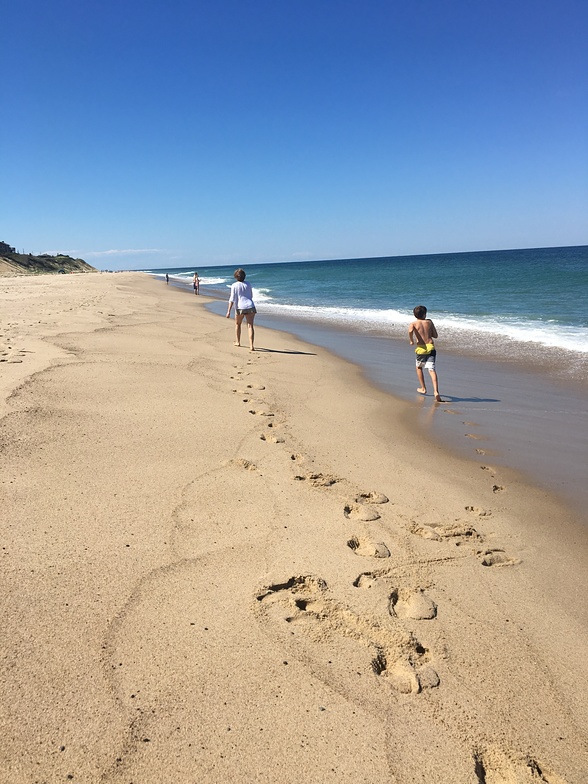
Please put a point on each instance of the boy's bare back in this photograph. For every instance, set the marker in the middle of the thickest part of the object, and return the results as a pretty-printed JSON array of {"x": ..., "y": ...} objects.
[{"x": 423, "y": 330}]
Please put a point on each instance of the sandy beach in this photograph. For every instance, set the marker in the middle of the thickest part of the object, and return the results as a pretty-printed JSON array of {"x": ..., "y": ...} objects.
[{"x": 225, "y": 566}]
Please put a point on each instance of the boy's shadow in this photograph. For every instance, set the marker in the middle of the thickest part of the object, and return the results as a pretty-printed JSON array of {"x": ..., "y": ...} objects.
[{"x": 454, "y": 399}]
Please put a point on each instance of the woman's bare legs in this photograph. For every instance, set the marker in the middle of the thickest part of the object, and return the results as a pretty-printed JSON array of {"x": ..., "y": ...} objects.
[
  {"x": 250, "y": 317},
  {"x": 238, "y": 322}
]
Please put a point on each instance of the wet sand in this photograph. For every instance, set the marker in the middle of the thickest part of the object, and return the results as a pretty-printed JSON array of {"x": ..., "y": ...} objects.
[
  {"x": 505, "y": 414},
  {"x": 224, "y": 566}
]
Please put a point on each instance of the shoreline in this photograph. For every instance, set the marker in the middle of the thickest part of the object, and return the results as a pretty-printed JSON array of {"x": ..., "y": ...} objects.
[
  {"x": 512, "y": 416},
  {"x": 269, "y": 573}
]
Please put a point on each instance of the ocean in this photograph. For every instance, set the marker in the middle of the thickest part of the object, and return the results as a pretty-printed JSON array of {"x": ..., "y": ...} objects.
[{"x": 512, "y": 347}]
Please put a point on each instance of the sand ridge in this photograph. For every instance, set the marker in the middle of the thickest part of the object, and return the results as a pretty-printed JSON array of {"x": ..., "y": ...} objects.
[{"x": 227, "y": 566}]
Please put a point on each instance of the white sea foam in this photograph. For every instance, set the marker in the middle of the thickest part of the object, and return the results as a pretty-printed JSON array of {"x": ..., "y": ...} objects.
[
  {"x": 172, "y": 276},
  {"x": 544, "y": 333},
  {"x": 261, "y": 295},
  {"x": 188, "y": 277}
]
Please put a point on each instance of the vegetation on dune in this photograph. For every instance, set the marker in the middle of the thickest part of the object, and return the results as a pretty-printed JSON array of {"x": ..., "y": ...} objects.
[{"x": 13, "y": 263}]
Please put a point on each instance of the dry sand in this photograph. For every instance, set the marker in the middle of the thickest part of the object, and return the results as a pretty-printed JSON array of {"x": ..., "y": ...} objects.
[{"x": 221, "y": 566}]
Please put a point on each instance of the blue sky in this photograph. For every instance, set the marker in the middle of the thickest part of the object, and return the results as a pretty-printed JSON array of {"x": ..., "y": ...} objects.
[{"x": 152, "y": 134}]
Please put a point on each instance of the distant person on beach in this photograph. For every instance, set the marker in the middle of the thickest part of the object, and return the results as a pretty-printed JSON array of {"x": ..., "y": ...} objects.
[
  {"x": 167, "y": 278},
  {"x": 196, "y": 283},
  {"x": 423, "y": 331},
  {"x": 242, "y": 298}
]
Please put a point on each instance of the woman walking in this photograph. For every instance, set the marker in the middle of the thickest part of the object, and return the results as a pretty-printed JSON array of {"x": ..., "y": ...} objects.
[{"x": 242, "y": 298}]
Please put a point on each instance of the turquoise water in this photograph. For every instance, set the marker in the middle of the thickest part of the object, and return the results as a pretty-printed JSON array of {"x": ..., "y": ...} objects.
[{"x": 495, "y": 300}]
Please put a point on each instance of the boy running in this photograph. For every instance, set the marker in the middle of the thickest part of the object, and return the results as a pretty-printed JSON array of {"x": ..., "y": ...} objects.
[{"x": 423, "y": 330}]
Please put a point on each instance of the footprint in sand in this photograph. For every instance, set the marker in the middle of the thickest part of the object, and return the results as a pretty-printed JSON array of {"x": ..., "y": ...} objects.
[
  {"x": 317, "y": 480},
  {"x": 367, "y": 580},
  {"x": 475, "y": 437},
  {"x": 246, "y": 391},
  {"x": 241, "y": 462},
  {"x": 411, "y": 603},
  {"x": 272, "y": 439},
  {"x": 371, "y": 497},
  {"x": 355, "y": 511},
  {"x": 496, "y": 557},
  {"x": 478, "y": 511},
  {"x": 497, "y": 489},
  {"x": 368, "y": 548},
  {"x": 493, "y": 766},
  {"x": 304, "y": 601},
  {"x": 257, "y": 412},
  {"x": 414, "y": 604},
  {"x": 459, "y": 532},
  {"x": 255, "y": 386}
]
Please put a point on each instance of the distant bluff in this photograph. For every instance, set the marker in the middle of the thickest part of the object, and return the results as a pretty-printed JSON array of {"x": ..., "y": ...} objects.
[{"x": 13, "y": 263}]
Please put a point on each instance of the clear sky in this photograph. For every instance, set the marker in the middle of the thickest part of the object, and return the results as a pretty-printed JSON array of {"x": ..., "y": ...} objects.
[{"x": 177, "y": 132}]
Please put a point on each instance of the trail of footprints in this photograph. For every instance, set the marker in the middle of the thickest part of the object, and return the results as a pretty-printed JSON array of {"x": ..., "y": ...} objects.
[
  {"x": 479, "y": 450},
  {"x": 8, "y": 350},
  {"x": 396, "y": 653},
  {"x": 11, "y": 354},
  {"x": 460, "y": 533},
  {"x": 397, "y": 656}
]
